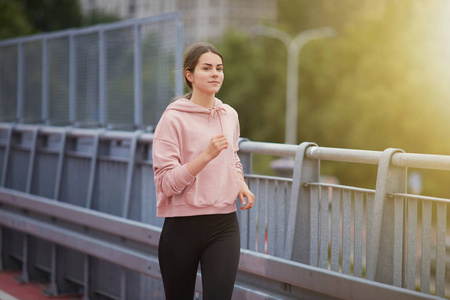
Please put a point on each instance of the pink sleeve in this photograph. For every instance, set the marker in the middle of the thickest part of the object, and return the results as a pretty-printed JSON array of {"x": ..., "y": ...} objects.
[
  {"x": 170, "y": 176},
  {"x": 237, "y": 161}
]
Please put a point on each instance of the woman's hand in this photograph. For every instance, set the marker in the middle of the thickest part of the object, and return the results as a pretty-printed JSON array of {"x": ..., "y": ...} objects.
[
  {"x": 216, "y": 145},
  {"x": 246, "y": 193}
]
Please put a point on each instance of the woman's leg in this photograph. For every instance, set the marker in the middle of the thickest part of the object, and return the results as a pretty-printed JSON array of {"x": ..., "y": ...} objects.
[
  {"x": 179, "y": 254},
  {"x": 220, "y": 259}
]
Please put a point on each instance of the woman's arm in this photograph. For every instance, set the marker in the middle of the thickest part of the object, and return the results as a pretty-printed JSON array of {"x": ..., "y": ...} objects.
[{"x": 216, "y": 145}]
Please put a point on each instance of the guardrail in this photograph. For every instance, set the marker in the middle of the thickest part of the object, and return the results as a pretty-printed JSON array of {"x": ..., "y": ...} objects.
[
  {"x": 77, "y": 207},
  {"x": 363, "y": 232},
  {"x": 131, "y": 248}
]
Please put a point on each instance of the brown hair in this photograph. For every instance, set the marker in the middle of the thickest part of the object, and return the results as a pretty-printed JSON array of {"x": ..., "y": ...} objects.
[{"x": 191, "y": 58}]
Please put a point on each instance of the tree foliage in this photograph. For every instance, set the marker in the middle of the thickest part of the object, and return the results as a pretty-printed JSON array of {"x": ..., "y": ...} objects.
[
  {"x": 381, "y": 82},
  {"x": 13, "y": 21},
  {"x": 251, "y": 87},
  {"x": 24, "y": 17},
  {"x": 51, "y": 15}
]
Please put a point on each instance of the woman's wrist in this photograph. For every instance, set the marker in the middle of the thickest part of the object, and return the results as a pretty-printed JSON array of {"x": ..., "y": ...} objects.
[
  {"x": 198, "y": 163},
  {"x": 241, "y": 176},
  {"x": 207, "y": 156}
]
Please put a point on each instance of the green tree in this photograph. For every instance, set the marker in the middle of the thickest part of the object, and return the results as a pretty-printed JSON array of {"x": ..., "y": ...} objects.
[
  {"x": 252, "y": 85},
  {"x": 51, "y": 15},
  {"x": 13, "y": 22},
  {"x": 379, "y": 85},
  {"x": 99, "y": 17},
  {"x": 24, "y": 17},
  {"x": 373, "y": 86},
  {"x": 382, "y": 82}
]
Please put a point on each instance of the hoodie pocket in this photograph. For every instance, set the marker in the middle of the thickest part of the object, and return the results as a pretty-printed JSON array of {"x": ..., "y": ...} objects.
[
  {"x": 218, "y": 187},
  {"x": 196, "y": 195}
]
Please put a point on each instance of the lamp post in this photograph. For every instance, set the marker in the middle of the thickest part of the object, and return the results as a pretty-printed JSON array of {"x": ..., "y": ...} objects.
[{"x": 294, "y": 46}]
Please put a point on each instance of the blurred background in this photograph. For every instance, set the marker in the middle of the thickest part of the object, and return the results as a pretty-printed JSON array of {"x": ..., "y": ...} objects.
[{"x": 381, "y": 81}]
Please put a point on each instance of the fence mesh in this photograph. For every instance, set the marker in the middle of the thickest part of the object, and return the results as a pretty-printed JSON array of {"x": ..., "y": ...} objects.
[
  {"x": 31, "y": 103},
  {"x": 158, "y": 80},
  {"x": 8, "y": 83},
  {"x": 119, "y": 53},
  {"x": 120, "y": 75},
  {"x": 87, "y": 83},
  {"x": 58, "y": 80}
]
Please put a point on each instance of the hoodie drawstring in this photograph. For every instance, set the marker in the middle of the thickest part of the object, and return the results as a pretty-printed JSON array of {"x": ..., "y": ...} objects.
[{"x": 215, "y": 111}]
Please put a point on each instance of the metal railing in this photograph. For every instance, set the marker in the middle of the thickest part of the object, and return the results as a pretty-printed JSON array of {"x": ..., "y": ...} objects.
[
  {"x": 366, "y": 233},
  {"x": 119, "y": 75},
  {"x": 78, "y": 208}
]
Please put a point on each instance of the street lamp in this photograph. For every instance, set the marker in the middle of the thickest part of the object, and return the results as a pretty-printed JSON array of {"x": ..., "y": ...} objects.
[{"x": 294, "y": 46}]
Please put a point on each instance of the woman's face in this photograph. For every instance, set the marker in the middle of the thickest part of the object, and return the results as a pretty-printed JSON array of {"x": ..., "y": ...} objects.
[{"x": 208, "y": 74}]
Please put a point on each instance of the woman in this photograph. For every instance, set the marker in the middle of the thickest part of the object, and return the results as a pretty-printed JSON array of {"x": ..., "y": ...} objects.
[{"x": 198, "y": 176}]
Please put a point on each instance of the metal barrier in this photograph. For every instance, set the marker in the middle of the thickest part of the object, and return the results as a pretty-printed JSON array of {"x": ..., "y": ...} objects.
[
  {"x": 77, "y": 207},
  {"x": 98, "y": 76}
]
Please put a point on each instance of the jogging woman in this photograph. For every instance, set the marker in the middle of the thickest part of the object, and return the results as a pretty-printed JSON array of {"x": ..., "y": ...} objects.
[{"x": 198, "y": 177}]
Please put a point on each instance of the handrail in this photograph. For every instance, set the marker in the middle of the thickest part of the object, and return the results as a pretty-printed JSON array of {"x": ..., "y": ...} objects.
[
  {"x": 344, "y": 155},
  {"x": 411, "y": 160},
  {"x": 426, "y": 198},
  {"x": 247, "y": 146},
  {"x": 421, "y": 161},
  {"x": 144, "y": 137}
]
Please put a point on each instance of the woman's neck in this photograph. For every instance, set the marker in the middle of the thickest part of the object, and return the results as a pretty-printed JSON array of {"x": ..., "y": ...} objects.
[{"x": 203, "y": 100}]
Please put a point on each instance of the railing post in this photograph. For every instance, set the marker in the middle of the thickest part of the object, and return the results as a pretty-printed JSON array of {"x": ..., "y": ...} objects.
[
  {"x": 29, "y": 256},
  {"x": 86, "y": 278},
  {"x": 3, "y": 253},
  {"x": 246, "y": 158},
  {"x": 60, "y": 165},
  {"x": 45, "y": 116},
  {"x": 178, "y": 53},
  {"x": 300, "y": 238},
  {"x": 103, "y": 109},
  {"x": 33, "y": 150},
  {"x": 1, "y": 249},
  {"x": 53, "y": 288},
  {"x": 73, "y": 116},
  {"x": 20, "y": 83},
  {"x": 380, "y": 251},
  {"x": 138, "y": 108},
  {"x": 93, "y": 168},
  {"x": 130, "y": 173},
  {"x": 6, "y": 155},
  {"x": 246, "y": 161}
]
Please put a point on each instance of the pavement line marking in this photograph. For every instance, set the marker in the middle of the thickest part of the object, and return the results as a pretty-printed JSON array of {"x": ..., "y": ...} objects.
[{"x": 5, "y": 296}]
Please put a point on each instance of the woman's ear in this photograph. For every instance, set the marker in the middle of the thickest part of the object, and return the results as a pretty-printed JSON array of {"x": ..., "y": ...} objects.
[{"x": 188, "y": 75}]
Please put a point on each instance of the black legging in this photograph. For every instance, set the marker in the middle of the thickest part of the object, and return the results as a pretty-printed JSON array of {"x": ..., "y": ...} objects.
[{"x": 212, "y": 240}]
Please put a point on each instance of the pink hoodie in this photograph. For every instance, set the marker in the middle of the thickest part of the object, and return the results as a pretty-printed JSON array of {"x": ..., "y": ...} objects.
[{"x": 182, "y": 134}]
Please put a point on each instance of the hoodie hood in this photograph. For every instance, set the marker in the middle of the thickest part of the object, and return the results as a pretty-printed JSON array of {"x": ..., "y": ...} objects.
[{"x": 186, "y": 105}]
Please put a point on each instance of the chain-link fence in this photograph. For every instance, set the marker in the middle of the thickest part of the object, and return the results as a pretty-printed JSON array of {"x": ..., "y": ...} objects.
[{"x": 120, "y": 75}]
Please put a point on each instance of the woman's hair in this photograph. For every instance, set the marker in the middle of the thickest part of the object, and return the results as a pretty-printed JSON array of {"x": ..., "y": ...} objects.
[{"x": 191, "y": 58}]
